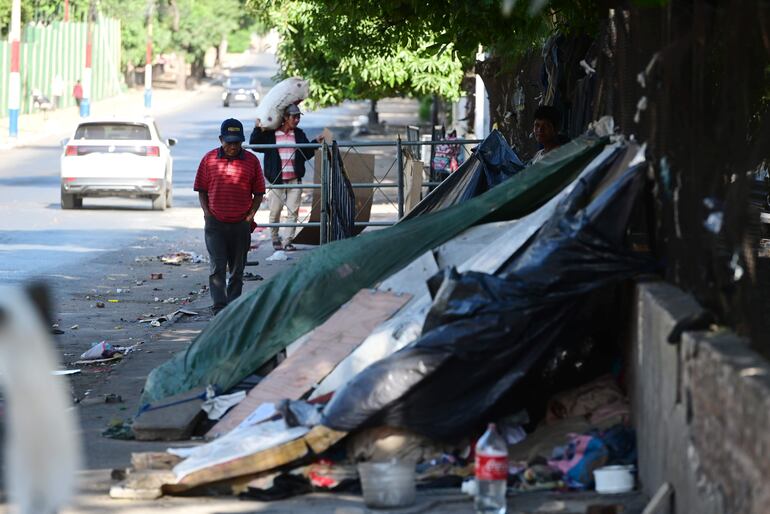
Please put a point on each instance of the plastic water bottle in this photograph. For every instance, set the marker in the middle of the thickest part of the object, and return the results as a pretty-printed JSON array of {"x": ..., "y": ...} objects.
[{"x": 491, "y": 472}]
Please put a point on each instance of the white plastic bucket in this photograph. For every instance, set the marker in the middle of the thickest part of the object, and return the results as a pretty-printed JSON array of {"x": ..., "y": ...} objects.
[
  {"x": 387, "y": 484},
  {"x": 614, "y": 479}
]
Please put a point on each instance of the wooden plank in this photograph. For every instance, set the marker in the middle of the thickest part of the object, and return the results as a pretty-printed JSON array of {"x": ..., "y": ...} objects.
[
  {"x": 328, "y": 344},
  {"x": 142, "y": 461},
  {"x": 318, "y": 440},
  {"x": 174, "y": 419}
]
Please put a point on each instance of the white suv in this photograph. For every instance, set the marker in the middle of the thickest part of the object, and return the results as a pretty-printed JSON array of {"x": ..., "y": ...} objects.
[{"x": 117, "y": 157}]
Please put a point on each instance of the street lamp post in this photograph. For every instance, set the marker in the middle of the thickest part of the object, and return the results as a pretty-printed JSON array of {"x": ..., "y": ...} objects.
[
  {"x": 14, "y": 82},
  {"x": 148, "y": 59},
  {"x": 85, "y": 104}
]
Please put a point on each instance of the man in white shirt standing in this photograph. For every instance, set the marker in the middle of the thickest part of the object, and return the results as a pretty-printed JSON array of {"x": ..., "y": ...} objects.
[{"x": 284, "y": 166}]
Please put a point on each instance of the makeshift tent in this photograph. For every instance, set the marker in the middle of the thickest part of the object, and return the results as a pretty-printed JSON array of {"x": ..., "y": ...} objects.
[
  {"x": 485, "y": 333},
  {"x": 491, "y": 163},
  {"x": 406, "y": 326},
  {"x": 259, "y": 324}
]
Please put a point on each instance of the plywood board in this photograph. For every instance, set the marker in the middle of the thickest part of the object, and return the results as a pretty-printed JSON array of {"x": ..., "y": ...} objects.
[
  {"x": 318, "y": 440},
  {"x": 172, "y": 419},
  {"x": 413, "y": 184},
  {"x": 328, "y": 344},
  {"x": 359, "y": 168}
]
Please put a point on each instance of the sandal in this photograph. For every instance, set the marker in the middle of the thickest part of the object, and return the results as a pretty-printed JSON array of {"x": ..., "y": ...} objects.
[
  {"x": 289, "y": 247},
  {"x": 277, "y": 245}
]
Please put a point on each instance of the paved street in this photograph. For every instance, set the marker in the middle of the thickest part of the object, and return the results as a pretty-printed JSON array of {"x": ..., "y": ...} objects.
[{"x": 87, "y": 255}]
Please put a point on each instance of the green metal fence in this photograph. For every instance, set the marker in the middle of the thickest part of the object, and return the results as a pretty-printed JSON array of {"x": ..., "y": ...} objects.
[{"x": 60, "y": 49}]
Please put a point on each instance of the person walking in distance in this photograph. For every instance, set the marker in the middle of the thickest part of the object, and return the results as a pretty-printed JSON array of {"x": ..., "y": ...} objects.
[
  {"x": 284, "y": 166},
  {"x": 230, "y": 187},
  {"x": 77, "y": 93}
]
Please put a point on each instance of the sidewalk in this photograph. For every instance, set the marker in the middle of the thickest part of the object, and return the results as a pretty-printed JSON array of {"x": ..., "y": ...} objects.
[{"x": 38, "y": 126}]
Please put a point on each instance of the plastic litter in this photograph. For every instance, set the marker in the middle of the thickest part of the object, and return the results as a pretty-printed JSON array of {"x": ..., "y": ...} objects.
[
  {"x": 278, "y": 255},
  {"x": 388, "y": 484},
  {"x": 177, "y": 258},
  {"x": 100, "y": 350}
]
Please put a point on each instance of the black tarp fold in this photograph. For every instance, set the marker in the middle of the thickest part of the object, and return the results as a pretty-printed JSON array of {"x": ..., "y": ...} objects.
[{"x": 486, "y": 333}]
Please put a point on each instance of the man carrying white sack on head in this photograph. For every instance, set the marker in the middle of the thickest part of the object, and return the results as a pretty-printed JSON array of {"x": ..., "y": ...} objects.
[{"x": 284, "y": 166}]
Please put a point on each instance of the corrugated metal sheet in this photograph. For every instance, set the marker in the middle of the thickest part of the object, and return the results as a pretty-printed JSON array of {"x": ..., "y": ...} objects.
[{"x": 60, "y": 48}]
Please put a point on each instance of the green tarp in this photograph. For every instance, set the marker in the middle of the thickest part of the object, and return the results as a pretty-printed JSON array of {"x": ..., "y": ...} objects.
[{"x": 250, "y": 331}]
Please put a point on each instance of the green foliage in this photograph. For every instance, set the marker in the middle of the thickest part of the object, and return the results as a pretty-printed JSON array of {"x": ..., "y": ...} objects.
[
  {"x": 203, "y": 24},
  {"x": 369, "y": 49},
  {"x": 426, "y": 106},
  {"x": 189, "y": 26},
  {"x": 239, "y": 40},
  {"x": 346, "y": 54}
]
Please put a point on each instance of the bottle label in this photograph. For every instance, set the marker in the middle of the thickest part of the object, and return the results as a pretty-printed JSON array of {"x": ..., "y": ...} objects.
[{"x": 491, "y": 467}]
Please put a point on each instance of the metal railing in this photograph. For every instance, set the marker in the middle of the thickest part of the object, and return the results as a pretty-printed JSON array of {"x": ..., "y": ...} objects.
[{"x": 380, "y": 184}]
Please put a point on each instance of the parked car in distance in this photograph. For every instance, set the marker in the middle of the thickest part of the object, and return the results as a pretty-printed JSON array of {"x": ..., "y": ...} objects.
[
  {"x": 240, "y": 89},
  {"x": 117, "y": 158}
]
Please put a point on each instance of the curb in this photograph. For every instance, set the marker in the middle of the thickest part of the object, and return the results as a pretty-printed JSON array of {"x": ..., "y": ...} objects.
[{"x": 8, "y": 143}]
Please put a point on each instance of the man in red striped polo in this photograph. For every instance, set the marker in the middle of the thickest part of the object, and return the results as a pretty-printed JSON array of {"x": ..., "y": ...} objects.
[{"x": 230, "y": 186}]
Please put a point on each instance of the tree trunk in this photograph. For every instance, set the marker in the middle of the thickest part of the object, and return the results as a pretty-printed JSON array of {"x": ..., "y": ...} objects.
[
  {"x": 130, "y": 74},
  {"x": 374, "y": 116}
]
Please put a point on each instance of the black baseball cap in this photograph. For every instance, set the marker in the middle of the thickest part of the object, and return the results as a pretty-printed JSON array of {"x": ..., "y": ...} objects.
[{"x": 232, "y": 131}]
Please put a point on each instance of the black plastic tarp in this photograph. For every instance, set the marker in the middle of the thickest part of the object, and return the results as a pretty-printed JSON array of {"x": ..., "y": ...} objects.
[
  {"x": 492, "y": 162},
  {"x": 485, "y": 333}
]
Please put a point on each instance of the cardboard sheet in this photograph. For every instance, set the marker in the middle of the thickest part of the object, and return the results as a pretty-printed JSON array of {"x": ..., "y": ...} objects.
[{"x": 359, "y": 168}]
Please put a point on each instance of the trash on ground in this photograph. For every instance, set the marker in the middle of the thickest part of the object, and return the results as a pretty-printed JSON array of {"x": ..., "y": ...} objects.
[
  {"x": 156, "y": 276},
  {"x": 60, "y": 372},
  {"x": 278, "y": 255},
  {"x": 100, "y": 350},
  {"x": 177, "y": 258},
  {"x": 105, "y": 352},
  {"x": 100, "y": 305},
  {"x": 388, "y": 484},
  {"x": 156, "y": 322},
  {"x": 74, "y": 327},
  {"x": 104, "y": 398},
  {"x": 119, "y": 429}
]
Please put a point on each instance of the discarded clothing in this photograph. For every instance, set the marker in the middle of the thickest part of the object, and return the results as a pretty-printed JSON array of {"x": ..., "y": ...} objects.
[
  {"x": 578, "y": 459},
  {"x": 218, "y": 406}
]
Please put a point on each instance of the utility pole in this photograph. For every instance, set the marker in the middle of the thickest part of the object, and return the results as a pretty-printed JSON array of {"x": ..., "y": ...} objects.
[
  {"x": 85, "y": 104},
  {"x": 148, "y": 59},
  {"x": 14, "y": 83}
]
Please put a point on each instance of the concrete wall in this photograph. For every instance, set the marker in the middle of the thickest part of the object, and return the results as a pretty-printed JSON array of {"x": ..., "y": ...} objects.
[{"x": 701, "y": 408}]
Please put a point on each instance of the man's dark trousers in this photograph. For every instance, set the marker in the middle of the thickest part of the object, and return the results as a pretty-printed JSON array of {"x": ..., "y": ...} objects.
[{"x": 228, "y": 245}]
